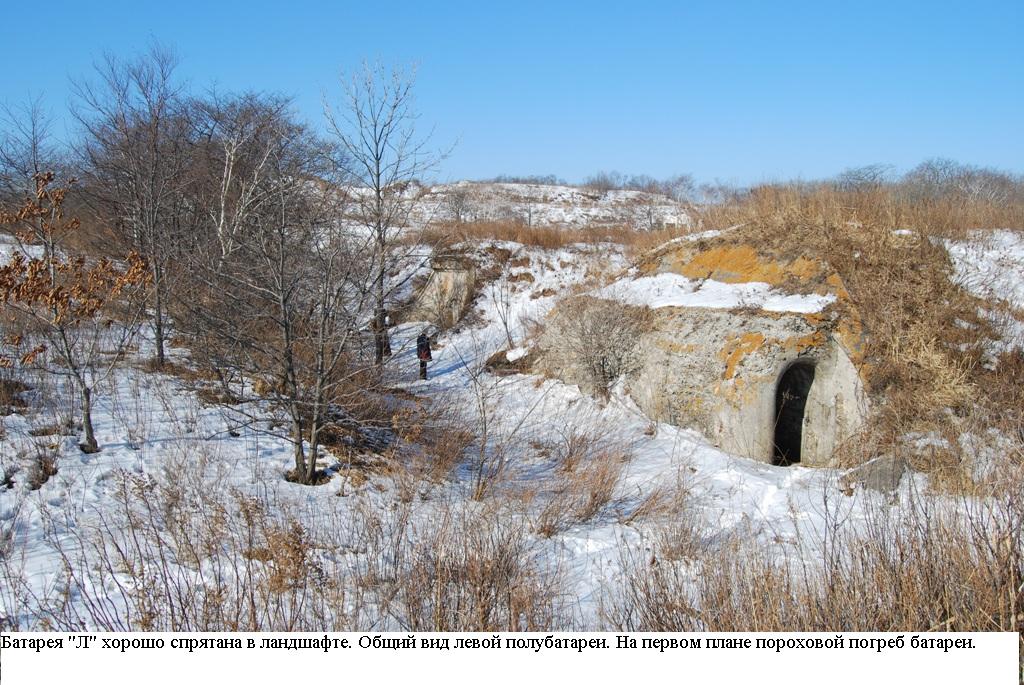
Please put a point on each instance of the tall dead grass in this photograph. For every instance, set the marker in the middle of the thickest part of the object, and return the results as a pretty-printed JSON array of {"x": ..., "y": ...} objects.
[
  {"x": 547, "y": 237},
  {"x": 581, "y": 493},
  {"x": 928, "y": 564},
  {"x": 184, "y": 551},
  {"x": 479, "y": 571}
]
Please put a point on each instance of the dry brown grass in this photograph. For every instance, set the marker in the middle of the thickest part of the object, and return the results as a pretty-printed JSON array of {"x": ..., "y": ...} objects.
[
  {"x": 547, "y": 237},
  {"x": 887, "y": 207},
  {"x": 10, "y": 396},
  {"x": 438, "y": 436},
  {"x": 43, "y": 466},
  {"x": 478, "y": 572},
  {"x": 667, "y": 502},
  {"x": 924, "y": 335},
  {"x": 925, "y": 566},
  {"x": 580, "y": 490}
]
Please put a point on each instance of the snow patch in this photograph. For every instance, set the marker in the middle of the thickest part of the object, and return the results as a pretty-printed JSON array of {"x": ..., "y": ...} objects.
[
  {"x": 673, "y": 290},
  {"x": 990, "y": 266},
  {"x": 516, "y": 353}
]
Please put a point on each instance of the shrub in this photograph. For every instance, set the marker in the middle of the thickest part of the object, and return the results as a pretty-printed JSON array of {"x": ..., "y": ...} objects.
[{"x": 597, "y": 339}]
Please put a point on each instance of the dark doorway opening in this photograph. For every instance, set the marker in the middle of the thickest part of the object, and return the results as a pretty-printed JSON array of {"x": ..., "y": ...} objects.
[{"x": 790, "y": 401}]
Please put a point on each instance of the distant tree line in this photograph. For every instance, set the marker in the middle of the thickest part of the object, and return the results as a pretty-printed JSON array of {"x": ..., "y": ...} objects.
[{"x": 937, "y": 178}]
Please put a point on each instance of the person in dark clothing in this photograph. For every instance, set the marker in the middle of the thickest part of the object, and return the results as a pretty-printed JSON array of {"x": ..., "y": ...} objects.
[{"x": 423, "y": 353}]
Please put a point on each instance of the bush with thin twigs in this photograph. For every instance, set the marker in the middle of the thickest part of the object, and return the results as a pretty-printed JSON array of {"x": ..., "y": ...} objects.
[
  {"x": 594, "y": 341},
  {"x": 43, "y": 466}
]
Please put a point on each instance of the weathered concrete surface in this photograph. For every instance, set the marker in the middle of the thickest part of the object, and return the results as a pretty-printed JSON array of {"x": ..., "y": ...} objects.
[
  {"x": 717, "y": 370},
  {"x": 447, "y": 293}
]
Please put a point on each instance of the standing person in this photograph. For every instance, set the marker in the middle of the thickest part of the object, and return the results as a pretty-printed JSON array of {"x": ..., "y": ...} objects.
[{"x": 423, "y": 353}]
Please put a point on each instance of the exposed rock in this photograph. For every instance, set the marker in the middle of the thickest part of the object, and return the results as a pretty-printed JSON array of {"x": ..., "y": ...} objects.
[{"x": 882, "y": 474}]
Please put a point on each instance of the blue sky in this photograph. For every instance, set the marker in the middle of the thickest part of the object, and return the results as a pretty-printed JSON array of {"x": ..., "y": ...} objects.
[{"x": 736, "y": 91}]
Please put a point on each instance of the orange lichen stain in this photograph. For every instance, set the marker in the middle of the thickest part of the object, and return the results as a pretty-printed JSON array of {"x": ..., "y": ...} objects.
[
  {"x": 837, "y": 286},
  {"x": 740, "y": 392},
  {"x": 850, "y": 333},
  {"x": 674, "y": 347},
  {"x": 804, "y": 268},
  {"x": 815, "y": 318},
  {"x": 648, "y": 267},
  {"x": 812, "y": 340},
  {"x": 736, "y": 348},
  {"x": 694, "y": 407},
  {"x": 735, "y": 264},
  {"x": 731, "y": 264}
]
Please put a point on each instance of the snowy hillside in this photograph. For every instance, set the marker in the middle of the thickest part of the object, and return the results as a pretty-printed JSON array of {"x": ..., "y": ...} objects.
[
  {"x": 550, "y": 205},
  {"x": 192, "y": 491},
  {"x": 990, "y": 266},
  {"x": 155, "y": 432}
]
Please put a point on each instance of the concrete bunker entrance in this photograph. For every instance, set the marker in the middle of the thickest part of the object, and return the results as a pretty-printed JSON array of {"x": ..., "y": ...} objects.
[{"x": 791, "y": 393}]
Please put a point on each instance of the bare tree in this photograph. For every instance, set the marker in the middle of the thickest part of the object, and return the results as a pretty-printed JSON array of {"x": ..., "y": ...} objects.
[
  {"x": 603, "y": 181},
  {"x": 26, "y": 148},
  {"x": 650, "y": 214},
  {"x": 458, "y": 199},
  {"x": 681, "y": 187},
  {"x": 375, "y": 127},
  {"x": 279, "y": 286},
  {"x": 936, "y": 178},
  {"x": 500, "y": 291},
  {"x": 237, "y": 138},
  {"x": 76, "y": 323},
  {"x": 133, "y": 158},
  {"x": 597, "y": 338},
  {"x": 869, "y": 177},
  {"x": 498, "y": 433}
]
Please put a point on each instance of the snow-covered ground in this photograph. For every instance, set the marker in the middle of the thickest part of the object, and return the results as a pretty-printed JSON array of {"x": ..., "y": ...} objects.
[
  {"x": 549, "y": 205},
  {"x": 10, "y": 246},
  {"x": 152, "y": 427},
  {"x": 674, "y": 290},
  {"x": 990, "y": 266}
]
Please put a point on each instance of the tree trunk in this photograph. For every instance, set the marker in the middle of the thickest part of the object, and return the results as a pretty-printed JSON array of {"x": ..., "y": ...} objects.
[
  {"x": 314, "y": 446},
  {"x": 300, "y": 455},
  {"x": 381, "y": 340},
  {"x": 89, "y": 444},
  {"x": 158, "y": 314}
]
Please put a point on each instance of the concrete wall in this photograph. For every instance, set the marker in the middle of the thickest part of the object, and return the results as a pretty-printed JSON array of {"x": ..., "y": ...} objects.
[
  {"x": 837, "y": 405},
  {"x": 446, "y": 294},
  {"x": 717, "y": 371}
]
